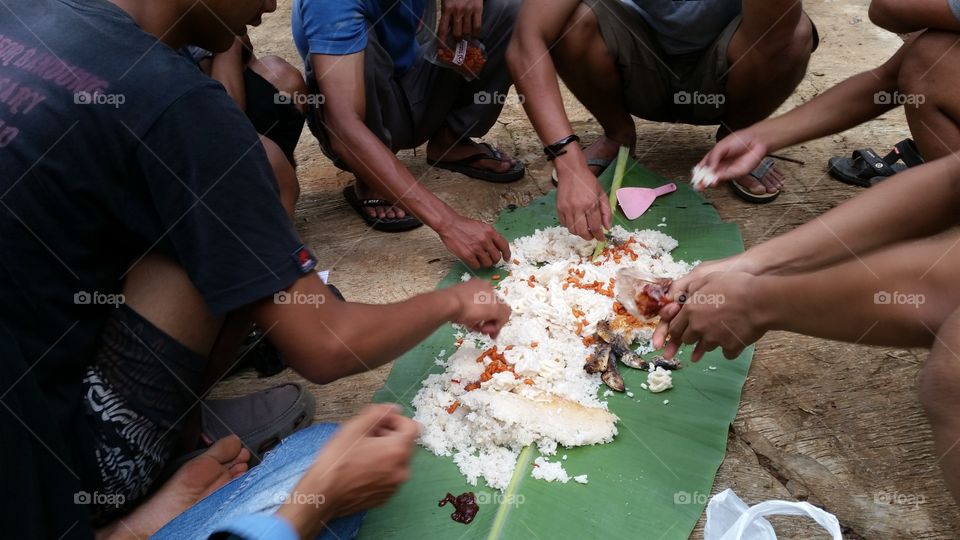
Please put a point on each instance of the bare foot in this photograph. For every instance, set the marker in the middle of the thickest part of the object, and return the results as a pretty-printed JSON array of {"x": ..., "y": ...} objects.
[
  {"x": 444, "y": 146},
  {"x": 199, "y": 477},
  {"x": 376, "y": 212},
  {"x": 771, "y": 183},
  {"x": 604, "y": 148}
]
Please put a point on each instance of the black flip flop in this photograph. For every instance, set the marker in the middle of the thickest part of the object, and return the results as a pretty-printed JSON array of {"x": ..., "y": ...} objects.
[
  {"x": 744, "y": 194},
  {"x": 465, "y": 166},
  {"x": 866, "y": 168},
  {"x": 403, "y": 224}
]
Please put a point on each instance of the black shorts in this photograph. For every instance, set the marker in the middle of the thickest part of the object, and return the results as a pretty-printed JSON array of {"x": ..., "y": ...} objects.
[
  {"x": 273, "y": 117},
  {"x": 136, "y": 395}
]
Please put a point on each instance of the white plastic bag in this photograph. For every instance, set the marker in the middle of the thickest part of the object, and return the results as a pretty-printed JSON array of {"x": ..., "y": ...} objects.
[{"x": 729, "y": 518}]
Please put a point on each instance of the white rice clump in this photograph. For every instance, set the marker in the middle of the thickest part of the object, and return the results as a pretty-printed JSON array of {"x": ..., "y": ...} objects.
[
  {"x": 703, "y": 178},
  {"x": 548, "y": 399},
  {"x": 659, "y": 380}
]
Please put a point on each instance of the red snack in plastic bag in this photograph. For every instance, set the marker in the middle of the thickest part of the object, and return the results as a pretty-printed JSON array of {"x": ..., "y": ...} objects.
[{"x": 468, "y": 58}]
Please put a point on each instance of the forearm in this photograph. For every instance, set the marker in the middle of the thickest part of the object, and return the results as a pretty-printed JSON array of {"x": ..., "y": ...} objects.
[
  {"x": 538, "y": 27},
  {"x": 324, "y": 338},
  {"x": 898, "y": 296},
  {"x": 846, "y": 105},
  {"x": 906, "y": 16},
  {"x": 372, "y": 161},
  {"x": 916, "y": 203},
  {"x": 227, "y": 68}
]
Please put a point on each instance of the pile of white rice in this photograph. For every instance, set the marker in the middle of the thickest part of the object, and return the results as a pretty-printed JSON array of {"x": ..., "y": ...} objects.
[{"x": 548, "y": 399}]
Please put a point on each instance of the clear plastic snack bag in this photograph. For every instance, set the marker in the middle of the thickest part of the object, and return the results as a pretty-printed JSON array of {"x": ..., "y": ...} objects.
[
  {"x": 467, "y": 57},
  {"x": 641, "y": 294}
]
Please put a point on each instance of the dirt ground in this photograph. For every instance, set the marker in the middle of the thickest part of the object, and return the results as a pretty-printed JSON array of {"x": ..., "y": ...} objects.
[{"x": 836, "y": 424}]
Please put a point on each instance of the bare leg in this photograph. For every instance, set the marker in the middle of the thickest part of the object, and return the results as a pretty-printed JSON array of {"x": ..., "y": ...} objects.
[
  {"x": 286, "y": 175},
  {"x": 283, "y": 76},
  {"x": 198, "y": 478},
  {"x": 587, "y": 68},
  {"x": 161, "y": 292},
  {"x": 929, "y": 73},
  {"x": 768, "y": 58},
  {"x": 939, "y": 381}
]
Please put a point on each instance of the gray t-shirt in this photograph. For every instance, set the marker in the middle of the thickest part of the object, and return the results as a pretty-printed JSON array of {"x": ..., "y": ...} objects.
[
  {"x": 687, "y": 26},
  {"x": 955, "y": 8}
]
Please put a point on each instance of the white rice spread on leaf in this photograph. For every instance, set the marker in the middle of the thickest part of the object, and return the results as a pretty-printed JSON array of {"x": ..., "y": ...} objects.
[{"x": 482, "y": 414}]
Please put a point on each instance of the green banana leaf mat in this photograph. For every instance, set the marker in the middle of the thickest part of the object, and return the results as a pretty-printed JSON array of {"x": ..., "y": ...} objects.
[{"x": 652, "y": 481}]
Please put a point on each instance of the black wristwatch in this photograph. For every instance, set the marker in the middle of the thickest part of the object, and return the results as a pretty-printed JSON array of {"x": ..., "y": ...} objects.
[{"x": 556, "y": 149}]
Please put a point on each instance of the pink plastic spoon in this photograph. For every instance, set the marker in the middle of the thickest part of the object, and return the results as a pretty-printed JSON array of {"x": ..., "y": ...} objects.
[{"x": 636, "y": 201}]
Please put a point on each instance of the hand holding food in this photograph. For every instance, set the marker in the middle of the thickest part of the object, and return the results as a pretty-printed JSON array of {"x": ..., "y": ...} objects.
[
  {"x": 582, "y": 205},
  {"x": 477, "y": 244},
  {"x": 733, "y": 157},
  {"x": 460, "y": 19},
  {"x": 360, "y": 468},
  {"x": 480, "y": 309},
  {"x": 719, "y": 310}
]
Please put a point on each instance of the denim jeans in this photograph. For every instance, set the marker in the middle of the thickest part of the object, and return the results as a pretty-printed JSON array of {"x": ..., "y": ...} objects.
[{"x": 262, "y": 490}]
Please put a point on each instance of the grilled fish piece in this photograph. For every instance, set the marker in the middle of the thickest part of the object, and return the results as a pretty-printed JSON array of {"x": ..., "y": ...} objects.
[
  {"x": 669, "y": 365},
  {"x": 619, "y": 346},
  {"x": 599, "y": 361},
  {"x": 612, "y": 378}
]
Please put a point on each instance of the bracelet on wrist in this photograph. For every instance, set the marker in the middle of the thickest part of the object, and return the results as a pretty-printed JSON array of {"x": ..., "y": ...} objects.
[{"x": 557, "y": 149}]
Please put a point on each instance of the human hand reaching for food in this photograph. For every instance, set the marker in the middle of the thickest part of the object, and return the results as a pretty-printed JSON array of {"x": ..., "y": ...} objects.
[
  {"x": 721, "y": 310},
  {"x": 479, "y": 308},
  {"x": 741, "y": 262},
  {"x": 460, "y": 19},
  {"x": 582, "y": 205},
  {"x": 361, "y": 467},
  {"x": 475, "y": 243},
  {"x": 737, "y": 155}
]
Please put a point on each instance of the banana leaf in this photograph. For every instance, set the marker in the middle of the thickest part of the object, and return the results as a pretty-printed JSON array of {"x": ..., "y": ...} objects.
[{"x": 652, "y": 481}]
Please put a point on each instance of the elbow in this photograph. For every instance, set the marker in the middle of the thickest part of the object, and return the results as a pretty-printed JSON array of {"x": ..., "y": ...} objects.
[
  {"x": 883, "y": 14},
  {"x": 322, "y": 363}
]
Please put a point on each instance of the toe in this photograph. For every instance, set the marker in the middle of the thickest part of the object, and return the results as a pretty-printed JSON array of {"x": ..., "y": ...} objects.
[{"x": 226, "y": 450}]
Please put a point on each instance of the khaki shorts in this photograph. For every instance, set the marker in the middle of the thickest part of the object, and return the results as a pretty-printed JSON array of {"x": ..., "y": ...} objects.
[{"x": 689, "y": 88}]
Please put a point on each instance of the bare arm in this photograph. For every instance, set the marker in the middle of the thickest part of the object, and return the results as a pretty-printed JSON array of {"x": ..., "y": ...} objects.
[
  {"x": 227, "y": 68},
  {"x": 917, "y": 203},
  {"x": 581, "y": 204},
  {"x": 846, "y": 105},
  {"x": 324, "y": 338},
  {"x": 341, "y": 81},
  {"x": 906, "y": 16},
  {"x": 897, "y": 296}
]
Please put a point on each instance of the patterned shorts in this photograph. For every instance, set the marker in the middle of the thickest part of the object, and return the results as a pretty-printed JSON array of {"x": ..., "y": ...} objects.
[{"x": 137, "y": 393}]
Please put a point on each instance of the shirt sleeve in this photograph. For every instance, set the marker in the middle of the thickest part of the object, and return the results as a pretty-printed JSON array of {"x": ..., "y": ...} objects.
[
  {"x": 955, "y": 8},
  {"x": 334, "y": 27},
  {"x": 256, "y": 527},
  {"x": 218, "y": 202}
]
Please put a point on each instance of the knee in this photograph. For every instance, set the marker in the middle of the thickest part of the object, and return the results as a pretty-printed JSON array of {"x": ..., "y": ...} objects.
[
  {"x": 582, "y": 27},
  {"x": 924, "y": 59},
  {"x": 790, "y": 48},
  {"x": 939, "y": 386},
  {"x": 939, "y": 380},
  {"x": 282, "y": 75},
  {"x": 285, "y": 173}
]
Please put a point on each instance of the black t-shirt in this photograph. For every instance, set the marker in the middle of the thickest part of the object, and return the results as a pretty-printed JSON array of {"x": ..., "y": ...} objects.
[{"x": 112, "y": 144}]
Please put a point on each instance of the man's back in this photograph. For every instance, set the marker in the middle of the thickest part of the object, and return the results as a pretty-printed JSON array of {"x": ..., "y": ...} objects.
[{"x": 114, "y": 145}]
